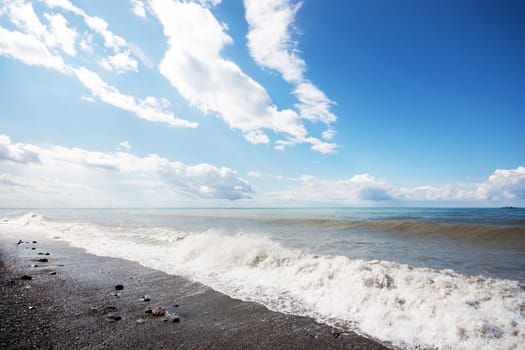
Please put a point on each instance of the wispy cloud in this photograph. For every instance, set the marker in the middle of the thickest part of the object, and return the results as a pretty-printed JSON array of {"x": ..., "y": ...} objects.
[
  {"x": 42, "y": 44},
  {"x": 271, "y": 44},
  {"x": 194, "y": 65}
]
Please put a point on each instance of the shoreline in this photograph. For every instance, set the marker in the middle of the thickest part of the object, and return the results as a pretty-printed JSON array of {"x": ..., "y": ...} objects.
[{"x": 71, "y": 302}]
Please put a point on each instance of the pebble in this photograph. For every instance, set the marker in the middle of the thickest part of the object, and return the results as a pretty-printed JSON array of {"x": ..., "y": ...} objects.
[
  {"x": 145, "y": 298},
  {"x": 173, "y": 318},
  {"x": 33, "y": 248},
  {"x": 141, "y": 320},
  {"x": 47, "y": 253},
  {"x": 43, "y": 260},
  {"x": 119, "y": 287},
  {"x": 20, "y": 242},
  {"x": 40, "y": 253},
  {"x": 158, "y": 311},
  {"x": 34, "y": 265},
  {"x": 31, "y": 308},
  {"x": 52, "y": 273},
  {"x": 26, "y": 277},
  {"x": 34, "y": 242}
]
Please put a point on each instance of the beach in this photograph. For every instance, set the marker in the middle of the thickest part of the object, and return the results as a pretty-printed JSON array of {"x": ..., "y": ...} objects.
[{"x": 71, "y": 302}]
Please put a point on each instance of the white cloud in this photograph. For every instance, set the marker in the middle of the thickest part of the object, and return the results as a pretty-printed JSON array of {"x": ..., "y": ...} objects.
[
  {"x": 271, "y": 45},
  {"x": 138, "y": 8},
  {"x": 254, "y": 173},
  {"x": 125, "y": 144},
  {"x": 120, "y": 63},
  {"x": 97, "y": 24},
  {"x": 33, "y": 48},
  {"x": 18, "y": 152},
  {"x": 86, "y": 44},
  {"x": 29, "y": 50},
  {"x": 87, "y": 98},
  {"x": 148, "y": 109},
  {"x": 61, "y": 35},
  {"x": 56, "y": 35},
  {"x": 196, "y": 181},
  {"x": 504, "y": 185},
  {"x": 193, "y": 64}
]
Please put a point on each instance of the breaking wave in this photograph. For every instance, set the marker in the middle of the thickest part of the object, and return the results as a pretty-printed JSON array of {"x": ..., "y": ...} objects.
[{"x": 395, "y": 303}]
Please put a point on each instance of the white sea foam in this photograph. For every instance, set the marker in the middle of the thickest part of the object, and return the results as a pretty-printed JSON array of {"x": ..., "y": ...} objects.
[{"x": 395, "y": 303}]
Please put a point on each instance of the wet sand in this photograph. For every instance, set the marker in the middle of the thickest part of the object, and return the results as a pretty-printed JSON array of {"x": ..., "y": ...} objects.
[{"x": 67, "y": 301}]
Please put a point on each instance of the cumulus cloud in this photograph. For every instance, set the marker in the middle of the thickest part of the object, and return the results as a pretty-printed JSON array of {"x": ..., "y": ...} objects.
[
  {"x": 271, "y": 45},
  {"x": 502, "y": 186},
  {"x": 194, "y": 65},
  {"x": 18, "y": 152},
  {"x": 196, "y": 181}
]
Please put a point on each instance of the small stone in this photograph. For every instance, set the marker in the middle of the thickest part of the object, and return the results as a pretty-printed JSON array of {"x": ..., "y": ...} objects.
[
  {"x": 141, "y": 320},
  {"x": 20, "y": 242},
  {"x": 47, "y": 253},
  {"x": 158, "y": 311},
  {"x": 34, "y": 242},
  {"x": 31, "y": 308},
  {"x": 173, "y": 318},
  {"x": 176, "y": 305},
  {"x": 145, "y": 298},
  {"x": 148, "y": 311},
  {"x": 52, "y": 273},
  {"x": 33, "y": 248},
  {"x": 43, "y": 260},
  {"x": 26, "y": 278},
  {"x": 34, "y": 265},
  {"x": 40, "y": 253},
  {"x": 336, "y": 334},
  {"x": 119, "y": 287}
]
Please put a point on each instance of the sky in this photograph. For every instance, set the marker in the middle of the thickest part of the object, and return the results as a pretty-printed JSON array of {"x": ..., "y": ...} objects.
[{"x": 261, "y": 103}]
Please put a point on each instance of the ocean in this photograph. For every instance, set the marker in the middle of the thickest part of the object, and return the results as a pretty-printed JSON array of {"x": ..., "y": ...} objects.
[{"x": 445, "y": 278}]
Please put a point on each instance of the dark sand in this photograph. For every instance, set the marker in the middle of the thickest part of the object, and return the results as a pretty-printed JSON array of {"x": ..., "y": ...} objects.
[{"x": 68, "y": 310}]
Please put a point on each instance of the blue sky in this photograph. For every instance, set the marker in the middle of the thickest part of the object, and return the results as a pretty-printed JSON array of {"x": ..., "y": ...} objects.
[{"x": 262, "y": 103}]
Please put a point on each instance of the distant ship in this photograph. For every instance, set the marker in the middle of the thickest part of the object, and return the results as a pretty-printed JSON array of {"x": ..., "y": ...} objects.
[{"x": 509, "y": 207}]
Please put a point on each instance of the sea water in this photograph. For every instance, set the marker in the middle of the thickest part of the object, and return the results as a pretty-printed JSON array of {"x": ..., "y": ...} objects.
[{"x": 410, "y": 277}]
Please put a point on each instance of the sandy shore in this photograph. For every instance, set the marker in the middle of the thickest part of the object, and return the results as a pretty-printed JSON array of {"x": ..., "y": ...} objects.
[{"x": 71, "y": 302}]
